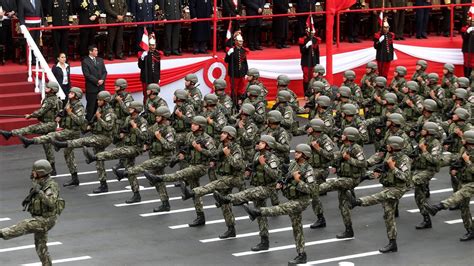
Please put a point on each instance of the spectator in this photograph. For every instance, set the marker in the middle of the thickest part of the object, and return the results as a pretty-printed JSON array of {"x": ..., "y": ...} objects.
[
  {"x": 280, "y": 24},
  {"x": 254, "y": 8},
  {"x": 232, "y": 8},
  {"x": 353, "y": 20},
  {"x": 62, "y": 72},
  {"x": 94, "y": 72},
  {"x": 468, "y": 47},
  {"x": 172, "y": 11},
  {"x": 150, "y": 66},
  {"x": 60, "y": 10},
  {"x": 383, "y": 43},
  {"x": 9, "y": 8},
  {"x": 375, "y": 14},
  {"x": 30, "y": 14},
  {"x": 143, "y": 11},
  {"x": 399, "y": 19},
  {"x": 446, "y": 22},
  {"x": 116, "y": 11},
  {"x": 88, "y": 12},
  {"x": 422, "y": 16},
  {"x": 200, "y": 31},
  {"x": 303, "y": 6}
]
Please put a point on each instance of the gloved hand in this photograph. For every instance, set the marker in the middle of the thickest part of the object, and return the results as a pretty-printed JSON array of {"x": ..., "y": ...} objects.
[
  {"x": 144, "y": 54},
  {"x": 231, "y": 50},
  {"x": 469, "y": 29},
  {"x": 36, "y": 187},
  {"x": 382, "y": 38},
  {"x": 308, "y": 44}
]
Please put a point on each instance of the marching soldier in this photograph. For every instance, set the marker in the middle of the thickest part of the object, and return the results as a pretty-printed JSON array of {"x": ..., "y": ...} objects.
[
  {"x": 44, "y": 204},
  {"x": 398, "y": 81},
  {"x": 71, "y": 121},
  {"x": 161, "y": 147},
  {"x": 318, "y": 75},
  {"x": 264, "y": 172},
  {"x": 412, "y": 103},
  {"x": 352, "y": 119},
  {"x": 46, "y": 115},
  {"x": 448, "y": 82},
  {"x": 420, "y": 75},
  {"x": 200, "y": 149},
  {"x": 133, "y": 134},
  {"x": 374, "y": 108},
  {"x": 254, "y": 98},
  {"x": 344, "y": 97},
  {"x": 116, "y": 11},
  {"x": 349, "y": 81},
  {"x": 230, "y": 169},
  {"x": 432, "y": 90},
  {"x": 172, "y": 11},
  {"x": 252, "y": 79},
  {"x": 465, "y": 173},
  {"x": 395, "y": 180},
  {"x": 425, "y": 167},
  {"x": 102, "y": 128},
  {"x": 195, "y": 95},
  {"x": 289, "y": 121},
  {"x": 152, "y": 102},
  {"x": 322, "y": 156},
  {"x": 182, "y": 116},
  {"x": 297, "y": 187},
  {"x": 282, "y": 85},
  {"x": 367, "y": 83},
  {"x": 247, "y": 131},
  {"x": 350, "y": 167},
  {"x": 429, "y": 114},
  {"x": 224, "y": 100}
]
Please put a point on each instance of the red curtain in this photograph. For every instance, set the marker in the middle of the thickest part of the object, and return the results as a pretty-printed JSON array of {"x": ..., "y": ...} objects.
[{"x": 333, "y": 6}]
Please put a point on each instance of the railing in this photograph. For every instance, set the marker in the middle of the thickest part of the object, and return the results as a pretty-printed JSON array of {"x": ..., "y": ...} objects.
[{"x": 41, "y": 66}]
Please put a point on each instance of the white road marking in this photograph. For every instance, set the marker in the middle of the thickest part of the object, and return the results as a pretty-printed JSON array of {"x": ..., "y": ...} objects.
[
  {"x": 60, "y": 260},
  {"x": 431, "y": 192},
  {"x": 81, "y": 173},
  {"x": 277, "y": 230},
  {"x": 4, "y": 219},
  {"x": 151, "y": 201},
  {"x": 27, "y": 247},
  {"x": 417, "y": 210},
  {"x": 353, "y": 256},
  {"x": 118, "y": 192},
  {"x": 457, "y": 221},
  {"x": 180, "y": 226},
  {"x": 175, "y": 211},
  {"x": 319, "y": 242}
]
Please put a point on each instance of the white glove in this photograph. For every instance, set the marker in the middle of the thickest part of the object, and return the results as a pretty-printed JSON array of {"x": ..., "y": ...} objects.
[
  {"x": 382, "y": 38},
  {"x": 231, "y": 50},
  {"x": 308, "y": 44},
  {"x": 470, "y": 29},
  {"x": 144, "y": 54}
]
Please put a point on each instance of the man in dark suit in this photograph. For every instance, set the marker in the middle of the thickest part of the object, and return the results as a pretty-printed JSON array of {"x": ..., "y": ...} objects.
[
  {"x": 88, "y": 12},
  {"x": 254, "y": 8},
  {"x": 94, "y": 72},
  {"x": 9, "y": 11},
  {"x": 59, "y": 10},
  {"x": 172, "y": 11},
  {"x": 280, "y": 24},
  {"x": 399, "y": 19},
  {"x": 30, "y": 14}
]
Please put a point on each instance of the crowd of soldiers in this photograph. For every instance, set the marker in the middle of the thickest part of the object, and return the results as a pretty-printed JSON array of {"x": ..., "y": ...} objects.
[{"x": 417, "y": 125}]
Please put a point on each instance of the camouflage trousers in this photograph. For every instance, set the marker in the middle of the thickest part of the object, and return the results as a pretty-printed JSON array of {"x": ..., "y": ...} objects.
[
  {"x": 421, "y": 178},
  {"x": 293, "y": 208},
  {"x": 128, "y": 153},
  {"x": 98, "y": 143},
  {"x": 454, "y": 180},
  {"x": 462, "y": 198},
  {"x": 180, "y": 142},
  {"x": 342, "y": 185},
  {"x": 157, "y": 165},
  {"x": 39, "y": 226},
  {"x": 223, "y": 184},
  {"x": 258, "y": 195},
  {"x": 388, "y": 197},
  {"x": 65, "y": 134},
  {"x": 40, "y": 129},
  {"x": 320, "y": 175},
  {"x": 190, "y": 175}
]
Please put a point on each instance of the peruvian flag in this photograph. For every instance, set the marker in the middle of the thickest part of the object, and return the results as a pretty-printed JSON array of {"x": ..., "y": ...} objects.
[
  {"x": 144, "y": 42},
  {"x": 310, "y": 23},
  {"x": 228, "y": 35},
  {"x": 471, "y": 12},
  {"x": 381, "y": 19}
]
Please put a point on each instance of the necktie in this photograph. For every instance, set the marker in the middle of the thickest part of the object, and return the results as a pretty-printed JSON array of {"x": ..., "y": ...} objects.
[
  {"x": 95, "y": 61},
  {"x": 33, "y": 3}
]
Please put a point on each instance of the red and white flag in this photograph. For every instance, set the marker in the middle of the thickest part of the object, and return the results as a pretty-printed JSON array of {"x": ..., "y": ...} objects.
[
  {"x": 228, "y": 35},
  {"x": 381, "y": 19},
  {"x": 471, "y": 12},
  {"x": 144, "y": 43},
  {"x": 310, "y": 24}
]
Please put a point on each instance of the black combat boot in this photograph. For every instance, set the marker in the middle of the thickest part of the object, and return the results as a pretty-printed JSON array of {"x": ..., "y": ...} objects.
[
  {"x": 120, "y": 173},
  {"x": 153, "y": 178},
  {"x": 164, "y": 207},
  {"x": 6, "y": 134},
  {"x": 397, "y": 213},
  {"x": 391, "y": 247},
  {"x": 135, "y": 198},
  {"x": 253, "y": 212},
  {"x": 425, "y": 224},
  {"x": 58, "y": 144},
  {"x": 102, "y": 188},
  {"x": 26, "y": 141},
  {"x": 263, "y": 245},
  {"x": 320, "y": 223},
  {"x": 53, "y": 169},
  {"x": 352, "y": 200},
  {"x": 199, "y": 221},
  {"x": 73, "y": 182},
  {"x": 221, "y": 199},
  {"x": 90, "y": 157},
  {"x": 229, "y": 233},
  {"x": 300, "y": 259},
  {"x": 433, "y": 209},
  {"x": 346, "y": 234},
  {"x": 186, "y": 192},
  {"x": 468, "y": 236}
]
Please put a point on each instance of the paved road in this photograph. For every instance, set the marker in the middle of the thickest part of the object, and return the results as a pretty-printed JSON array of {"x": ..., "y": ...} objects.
[{"x": 100, "y": 230}]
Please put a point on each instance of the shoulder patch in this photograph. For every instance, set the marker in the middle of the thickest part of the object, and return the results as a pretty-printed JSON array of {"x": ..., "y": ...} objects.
[
  {"x": 328, "y": 146},
  {"x": 360, "y": 156},
  {"x": 108, "y": 117},
  {"x": 273, "y": 164}
]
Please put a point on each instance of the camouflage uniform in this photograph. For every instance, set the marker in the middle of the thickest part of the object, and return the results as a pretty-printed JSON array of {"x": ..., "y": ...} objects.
[
  {"x": 420, "y": 75},
  {"x": 182, "y": 124},
  {"x": 264, "y": 90},
  {"x": 44, "y": 208},
  {"x": 120, "y": 110},
  {"x": 260, "y": 111},
  {"x": 247, "y": 136},
  {"x": 50, "y": 107},
  {"x": 195, "y": 98},
  {"x": 71, "y": 124},
  {"x": 367, "y": 83},
  {"x": 411, "y": 113},
  {"x": 398, "y": 82},
  {"x": 156, "y": 102}
]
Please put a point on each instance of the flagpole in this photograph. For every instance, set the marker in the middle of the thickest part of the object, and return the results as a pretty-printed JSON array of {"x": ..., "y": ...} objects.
[{"x": 310, "y": 52}]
